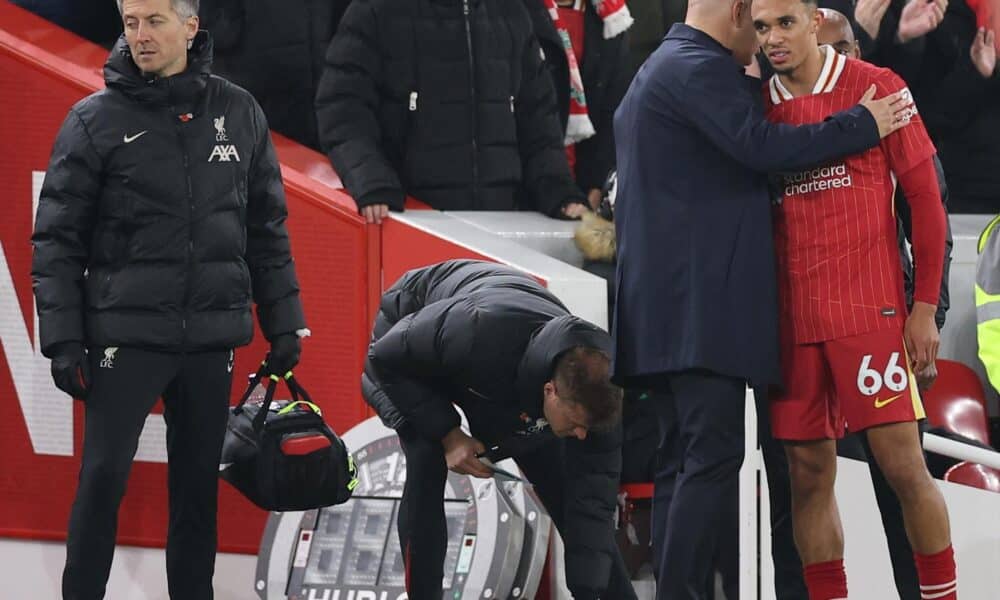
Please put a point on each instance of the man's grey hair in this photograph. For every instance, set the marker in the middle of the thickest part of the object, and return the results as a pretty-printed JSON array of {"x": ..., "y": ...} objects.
[{"x": 183, "y": 8}]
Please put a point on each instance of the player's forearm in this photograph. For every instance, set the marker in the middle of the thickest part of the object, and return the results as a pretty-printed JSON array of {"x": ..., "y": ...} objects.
[{"x": 923, "y": 194}]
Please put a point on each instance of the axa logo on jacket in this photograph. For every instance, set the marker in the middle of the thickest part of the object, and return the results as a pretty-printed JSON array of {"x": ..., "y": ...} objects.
[{"x": 222, "y": 152}]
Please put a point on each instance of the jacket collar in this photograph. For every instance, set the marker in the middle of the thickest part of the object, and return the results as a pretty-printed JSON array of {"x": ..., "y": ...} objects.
[
  {"x": 182, "y": 91},
  {"x": 546, "y": 345},
  {"x": 683, "y": 31}
]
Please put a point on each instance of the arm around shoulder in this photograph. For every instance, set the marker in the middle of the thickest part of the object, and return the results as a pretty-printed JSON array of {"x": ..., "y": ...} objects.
[{"x": 715, "y": 98}]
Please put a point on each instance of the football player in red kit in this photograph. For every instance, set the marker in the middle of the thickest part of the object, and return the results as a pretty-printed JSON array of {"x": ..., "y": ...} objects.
[{"x": 849, "y": 348}]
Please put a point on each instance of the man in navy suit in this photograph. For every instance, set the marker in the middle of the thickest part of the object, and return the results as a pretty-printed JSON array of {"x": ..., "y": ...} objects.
[{"x": 696, "y": 307}]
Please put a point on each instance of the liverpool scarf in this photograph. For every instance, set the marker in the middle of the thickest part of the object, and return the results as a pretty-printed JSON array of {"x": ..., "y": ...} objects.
[{"x": 617, "y": 19}]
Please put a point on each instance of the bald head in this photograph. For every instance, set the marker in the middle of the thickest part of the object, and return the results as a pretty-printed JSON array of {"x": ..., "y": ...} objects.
[
  {"x": 836, "y": 31},
  {"x": 728, "y": 22}
]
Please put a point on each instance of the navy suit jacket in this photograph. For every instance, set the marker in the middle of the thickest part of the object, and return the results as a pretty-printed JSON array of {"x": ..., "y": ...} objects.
[{"x": 696, "y": 271}]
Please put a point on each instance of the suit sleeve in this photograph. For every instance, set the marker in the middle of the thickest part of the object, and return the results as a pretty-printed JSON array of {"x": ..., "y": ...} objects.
[
  {"x": 64, "y": 224},
  {"x": 714, "y": 97},
  {"x": 347, "y": 103},
  {"x": 269, "y": 254},
  {"x": 543, "y": 155}
]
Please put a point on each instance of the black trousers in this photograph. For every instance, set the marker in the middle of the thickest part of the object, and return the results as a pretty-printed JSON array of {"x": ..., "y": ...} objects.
[
  {"x": 697, "y": 479},
  {"x": 125, "y": 384},
  {"x": 421, "y": 521}
]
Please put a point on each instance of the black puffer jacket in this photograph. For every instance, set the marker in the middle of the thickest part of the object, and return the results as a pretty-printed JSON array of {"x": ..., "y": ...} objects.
[
  {"x": 151, "y": 227},
  {"x": 961, "y": 109},
  {"x": 461, "y": 325},
  {"x": 444, "y": 100}
]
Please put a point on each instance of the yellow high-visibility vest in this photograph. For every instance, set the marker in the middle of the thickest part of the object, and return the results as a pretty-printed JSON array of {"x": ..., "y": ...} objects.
[{"x": 988, "y": 300}]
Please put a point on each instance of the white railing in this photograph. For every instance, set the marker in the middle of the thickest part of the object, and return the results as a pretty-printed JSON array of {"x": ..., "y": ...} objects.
[
  {"x": 958, "y": 450},
  {"x": 974, "y": 516}
]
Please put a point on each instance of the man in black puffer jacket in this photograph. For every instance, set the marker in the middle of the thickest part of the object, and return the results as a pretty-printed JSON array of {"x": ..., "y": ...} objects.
[
  {"x": 161, "y": 214},
  {"x": 532, "y": 381},
  {"x": 446, "y": 101}
]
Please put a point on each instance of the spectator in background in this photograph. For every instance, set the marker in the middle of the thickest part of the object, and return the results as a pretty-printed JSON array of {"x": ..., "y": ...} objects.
[
  {"x": 274, "y": 49},
  {"x": 890, "y": 32},
  {"x": 946, "y": 52},
  {"x": 958, "y": 92},
  {"x": 590, "y": 79},
  {"x": 447, "y": 101},
  {"x": 96, "y": 21}
]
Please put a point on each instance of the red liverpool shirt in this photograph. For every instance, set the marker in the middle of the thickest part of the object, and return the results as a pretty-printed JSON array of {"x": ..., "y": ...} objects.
[{"x": 839, "y": 272}]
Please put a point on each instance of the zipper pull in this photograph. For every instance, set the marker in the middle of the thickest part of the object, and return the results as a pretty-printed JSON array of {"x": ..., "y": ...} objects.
[
  {"x": 413, "y": 101},
  {"x": 512, "y": 104}
]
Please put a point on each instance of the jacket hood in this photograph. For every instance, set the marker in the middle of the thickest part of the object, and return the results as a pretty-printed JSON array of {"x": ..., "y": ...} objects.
[
  {"x": 546, "y": 345},
  {"x": 181, "y": 91}
]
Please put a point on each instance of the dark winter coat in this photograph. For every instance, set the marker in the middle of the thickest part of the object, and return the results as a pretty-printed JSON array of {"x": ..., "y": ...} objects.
[
  {"x": 961, "y": 109},
  {"x": 444, "y": 100},
  {"x": 274, "y": 49},
  {"x": 606, "y": 74},
  {"x": 99, "y": 22},
  {"x": 468, "y": 327},
  {"x": 161, "y": 213}
]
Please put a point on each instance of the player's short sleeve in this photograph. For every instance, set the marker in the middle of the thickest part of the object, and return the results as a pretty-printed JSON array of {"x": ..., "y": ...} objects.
[{"x": 909, "y": 145}]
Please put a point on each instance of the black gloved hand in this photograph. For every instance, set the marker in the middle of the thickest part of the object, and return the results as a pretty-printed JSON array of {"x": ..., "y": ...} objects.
[
  {"x": 284, "y": 355},
  {"x": 71, "y": 369}
]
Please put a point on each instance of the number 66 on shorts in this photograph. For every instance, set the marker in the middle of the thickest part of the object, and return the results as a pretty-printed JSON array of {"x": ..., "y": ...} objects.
[{"x": 853, "y": 382}]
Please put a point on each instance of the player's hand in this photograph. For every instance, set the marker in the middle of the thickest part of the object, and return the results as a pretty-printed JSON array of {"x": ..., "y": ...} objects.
[
  {"x": 984, "y": 52},
  {"x": 374, "y": 213},
  {"x": 921, "y": 336},
  {"x": 460, "y": 452},
  {"x": 927, "y": 377},
  {"x": 574, "y": 210},
  {"x": 889, "y": 112},
  {"x": 869, "y": 13},
  {"x": 920, "y": 17}
]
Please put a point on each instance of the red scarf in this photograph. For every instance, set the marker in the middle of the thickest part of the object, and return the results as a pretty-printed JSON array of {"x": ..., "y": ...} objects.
[{"x": 617, "y": 19}]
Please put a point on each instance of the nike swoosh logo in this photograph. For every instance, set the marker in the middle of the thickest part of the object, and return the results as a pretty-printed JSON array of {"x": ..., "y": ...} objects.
[
  {"x": 881, "y": 403},
  {"x": 129, "y": 139}
]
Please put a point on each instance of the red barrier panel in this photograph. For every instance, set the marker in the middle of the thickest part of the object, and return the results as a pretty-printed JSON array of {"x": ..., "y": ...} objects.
[{"x": 43, "y": 71}]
